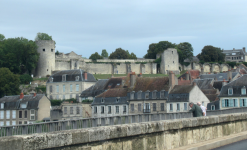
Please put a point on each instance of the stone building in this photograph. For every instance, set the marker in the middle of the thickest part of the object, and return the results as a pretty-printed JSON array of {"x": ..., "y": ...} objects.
[
  {"x": 169, "y": 61},
  {"x": 68, "y": 84},
  {"x": 235, "y": 55},
  {"x": 23, "y": 109}
]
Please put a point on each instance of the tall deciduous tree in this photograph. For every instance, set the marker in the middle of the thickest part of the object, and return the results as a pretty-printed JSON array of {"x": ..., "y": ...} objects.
[
  {"x": 2, "y": 37},
  {"x": 131, "y": 56},
  {"x": 211, "y": 54},
  {"x": 104, "y": 53},
  {"x": 95, "y": 56},
  {"x": 43, "y": 36},
  {"x": 120, "y": 53},
  {"x": 185, "y": 50},
  {"x": 9, "y": 83}
]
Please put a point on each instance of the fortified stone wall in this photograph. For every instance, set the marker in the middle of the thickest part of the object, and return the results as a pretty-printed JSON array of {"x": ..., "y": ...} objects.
[{"x": 160, "y": 135}]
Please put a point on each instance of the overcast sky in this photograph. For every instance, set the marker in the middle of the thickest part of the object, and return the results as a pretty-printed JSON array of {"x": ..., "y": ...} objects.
[{"x": 86, "y": 27}]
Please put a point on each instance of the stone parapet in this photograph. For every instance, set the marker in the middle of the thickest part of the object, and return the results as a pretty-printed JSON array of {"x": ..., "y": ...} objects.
[{"x": 166, "y": 134}]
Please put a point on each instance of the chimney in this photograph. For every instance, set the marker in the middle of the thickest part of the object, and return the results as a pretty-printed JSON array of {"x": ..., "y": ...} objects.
[
  {"x": 187, "y": 77},
  {"x": 172, "y": 81},
  {"x": 85, "y": 75},
  {"x": 132, "y": 79},
  {"x": 224, "y": 82},
  {"x": 202, "y": 70},
  {"x": 34, "y": 94},
  {"x": 71, "y": 101},
  {"x": 21, "y": 95},
  {"x": 229, "y": 75},
  {"x": 194, "y": 83},
  {"x": 244, "y": 49}
]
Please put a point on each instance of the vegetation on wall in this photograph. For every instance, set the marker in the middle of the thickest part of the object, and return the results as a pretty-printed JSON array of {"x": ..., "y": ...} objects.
[{"x": 41, "y": 88}]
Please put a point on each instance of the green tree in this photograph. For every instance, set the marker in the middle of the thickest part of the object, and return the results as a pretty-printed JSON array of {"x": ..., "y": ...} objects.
[
  {"x": 2, "y": 37},
  {"x": 119, "y": 53},
  {"x": 185, "y": 50},
  {"x": 156, "y": 48},
  {"x": 211, "y": 54},
  {"x": 131, "y": 56},
  {"x": 104, "y": 53},
  {"x": 57, "y": 52},
  {"x": 95, "y": 56},
  {"x": 43, "y": 36},
  {"x": 25, "y": 79},
  {"x": 9, "y": 83}
]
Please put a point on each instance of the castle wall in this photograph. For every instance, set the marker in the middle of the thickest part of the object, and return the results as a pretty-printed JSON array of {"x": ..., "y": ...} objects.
[{"x": 62, "y": 65}]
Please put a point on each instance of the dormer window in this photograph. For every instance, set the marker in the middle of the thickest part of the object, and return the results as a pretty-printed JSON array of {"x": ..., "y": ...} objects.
[
  {"x": 139, "y": 95},
  {"x": 77, "y": 78},
  {"x": 230, "y": 91},
  {"x": 243, "y": 91},
  {"x": 162, "y": 94},
  {"x": 2, "y": 105},
  {"x": 64, "y": 78},
  {"x": 51, "y": 79},
  {"x": 102, "y": 100},
  {"x": 154, "y": 94},
  {"x": 146, "y": 95},
  {"x": 117, "y": 99},
  {"x": 23, "y": 105},
  {"x": 132, "y": 95}
]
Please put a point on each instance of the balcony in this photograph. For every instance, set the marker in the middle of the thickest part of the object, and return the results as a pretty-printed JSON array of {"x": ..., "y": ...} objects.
[{"x": 146, "y": 110}]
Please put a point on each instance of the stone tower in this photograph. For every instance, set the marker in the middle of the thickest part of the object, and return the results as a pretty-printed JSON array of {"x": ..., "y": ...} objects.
[
  {"x": 46, "y": 63},
  {"x": 169, "y": 61}
]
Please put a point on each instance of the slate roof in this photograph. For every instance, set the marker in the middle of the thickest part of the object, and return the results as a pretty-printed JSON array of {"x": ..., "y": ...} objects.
[
  {"x": 192, "y": 74},
  {"x": 212, "y": 97},
  {"x": 204, "y": 83},
  {"x": 71, "y": 75},
  {"x": 13, "y": 102},
  {"x": 219, "y": 76},
  {"x": 110, "y": 101},
  {"x": 217, "y": 85},
  {"x": 181, "y": 89},
  {"x": 96, "y": 89},
  {"x": 236, "y": 85},
  {"x": 114, "y": 82},
  {"x": 216, "y": 103},
  {"x": 119, "y": 92}
]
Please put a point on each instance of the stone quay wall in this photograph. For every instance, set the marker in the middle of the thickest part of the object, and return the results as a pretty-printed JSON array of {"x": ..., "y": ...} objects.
[{"x": 158, "y": 135}]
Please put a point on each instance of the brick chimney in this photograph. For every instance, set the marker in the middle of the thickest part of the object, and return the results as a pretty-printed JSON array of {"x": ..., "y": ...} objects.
[
  {"x": 21, "y": 95},
  {"x": 132, "y": 79},
  {"x": 229, "y": 75},
  {"x": 85, "y": 75},
  {"x": 34, "y": 94},
  {"x": 172, "y": 81},
  {"x": 224, "y": 82},
  {"x": 187, "y": 77}
]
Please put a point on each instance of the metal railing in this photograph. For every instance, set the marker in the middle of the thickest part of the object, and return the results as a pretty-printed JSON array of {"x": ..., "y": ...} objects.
[{"x": 146, "y": 110}]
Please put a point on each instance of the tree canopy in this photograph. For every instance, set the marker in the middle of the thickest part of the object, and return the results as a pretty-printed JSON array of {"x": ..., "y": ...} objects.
[
  {"x": 25, "y": 79},
  {"x": 18, "y": 54},
  {"x": 120, "y": 53},
  {"x": 104, "y": 53},
  {"x": 211, "y": 54},
  {"x": 9, "y": 83},
  {"x": 95, "y": 56},
  {"x": 185, "y": 50},
  {"x": 2, "y": 37},
  {"x": 43, "y": 36}
]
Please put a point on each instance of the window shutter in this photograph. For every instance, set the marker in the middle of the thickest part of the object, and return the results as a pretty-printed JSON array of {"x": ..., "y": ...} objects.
[
  {"x": 223, "y": 103},
  {"x": 231, "y": 102},
  {"x": 245, "y": 102},
  {"x": 241, "y": 102},
  {"x": 144, "y": 106},
  {"x": 149, "y": 106},
  {"x": 236, "y": 102}
]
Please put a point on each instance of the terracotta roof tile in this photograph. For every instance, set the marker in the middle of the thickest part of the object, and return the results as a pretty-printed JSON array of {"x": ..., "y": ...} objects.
[{"x": 183, "y": 82}]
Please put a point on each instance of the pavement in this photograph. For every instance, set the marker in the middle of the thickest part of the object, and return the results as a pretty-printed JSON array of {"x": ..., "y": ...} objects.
[{"x": 218, "y": 142}]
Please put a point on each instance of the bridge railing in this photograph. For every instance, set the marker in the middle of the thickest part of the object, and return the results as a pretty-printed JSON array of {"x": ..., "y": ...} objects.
[
  {"x": 227, "y": 111},
  {"x": 87, "y": 123}
]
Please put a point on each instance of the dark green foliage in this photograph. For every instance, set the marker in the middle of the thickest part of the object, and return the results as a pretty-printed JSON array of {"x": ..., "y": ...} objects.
[
  {"x": 156, "y": 48},
  {"x": 19, "y": 55},
  {"x": 95, "y": 56},
  {"x": 104, "y": 53},
  {"x": 87, "y": 101},
  {"x": 59, "y": 102},
  {"x": 158, "y": 61},
  {"x": 2, "y": 37},
  {"x": 202, "y": 62},
  {"x": 42, "y": 36},
  {"x": 25, "y": 79},
  {"x": 9, "y": 83},
  {"x": 57, "y": 52},
  {"x": 185, "y": 50},
  {"x": 245, "y": 63},
  {"x": 41, "y": 88},
  {"x": 232, "y": 64},
  {"x": 120, "y": 53},
  {"x": 211, "y": 54}
]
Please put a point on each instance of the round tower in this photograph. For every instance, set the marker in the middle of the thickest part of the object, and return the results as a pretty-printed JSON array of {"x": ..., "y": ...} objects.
[{"x": 46, "y": 63}]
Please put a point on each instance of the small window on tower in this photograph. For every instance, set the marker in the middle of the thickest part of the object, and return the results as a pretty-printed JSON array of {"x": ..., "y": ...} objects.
[
  {"x": 47, "y": 69},
  {"x": 43, "y": 49},
  {"x": 51, "y": 50}
]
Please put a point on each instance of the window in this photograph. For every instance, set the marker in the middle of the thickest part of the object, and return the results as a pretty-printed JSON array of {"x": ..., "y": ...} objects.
[
  {"x": 7, "y": 123},
  {"x": 51, "y": 50},
  {"x": 243, "y": 102},
  {"x": 102, "y": 109},
  {"x": 13, "y": 123},
  {"x": 147, "y": 95},
  {"x": 230, "y": 91},
  {"x": 109, "y": 109},
  {"x": 7, "y": 114},
  {"x": 171, "y": 107},
  {"x": 43, "y": 50},
  {"x": 25, "y": 112},
  {"x": 57, "y": 88},
  {"x": 1, "y": 123},
  {"x": 20, "y": 122},
  {"x": 71, "y": 110},
  {"x": 77, "y": 110},
  {"x": 139, "y": 107},
  {"x": 162, "y": 94},
  {"x": 2, "y": 105},
  {"x": 172, "y": 52},
  {"x": 124, "y": 109},
  {"x": 77, "y": 87},
  {"x": 63, "y": 88},
  {"x": 95, "y": 110},
  {"x": 132, "y": 95},
  {"x": 117, "y": 109},
  {"x": 162, "y": 107},
  {"x": 147, "y": 107},
  {"x": 173, "y": 61},
  {"x": 212, "y": 107},
  {"x": 132, "y": 107},
  {"x": 51, "y": 88},
  {"x": 225, "y": 103},
  {"x": 32, "y": 114},
  {"x": 139, "y": 95},
  {"x": 185, "y": 106},
  {"x": 20, "y": 114},
  {"x": 117, "y": 100},
  {"x": 154, "y": 106},
  {"x": 25, "y": 122},
  {"x": 64, "y": 78},
  {"x": 102, "y": 100},
  {"x": 235, "y": 103},
  {"x": 178, "y": 107},
  {"x": 65, "y": 110},
  {"x": 71, "y": 87},
  {"x": 154, "y": 94},
  {"x": 77, "y": 78},
  {"x": 2, "y": 114},
  {"x": 13, "y": 114},
  {"x": 23, "y": 105},
  {"x": 243, "y": 91}
]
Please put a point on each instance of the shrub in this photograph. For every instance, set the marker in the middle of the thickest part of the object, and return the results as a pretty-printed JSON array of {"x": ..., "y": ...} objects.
[{"x": 25, "y": 79}]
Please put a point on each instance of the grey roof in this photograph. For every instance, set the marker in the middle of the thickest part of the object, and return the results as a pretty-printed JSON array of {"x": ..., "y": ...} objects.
[
  {"x": 95, "y": 90},
  {"x": 71, "y": 75},
  {"x": 181, "y": 89},
  {"x": 204, "y": 83},
  {"x": 143, "y": 95},
  {"x": 178, "y": 97},
  {"x": 233, "y": 51},
  {"x": 194, "y": 59},
  {"x": 236, "y": 85},
  {"x": 215, "y": 103},
  {"x": 219, "y": 76},
  {"x": 13, "y": 102},
  {"x": 110, "y": 101},
  {"x": 217, "y": 85}
]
